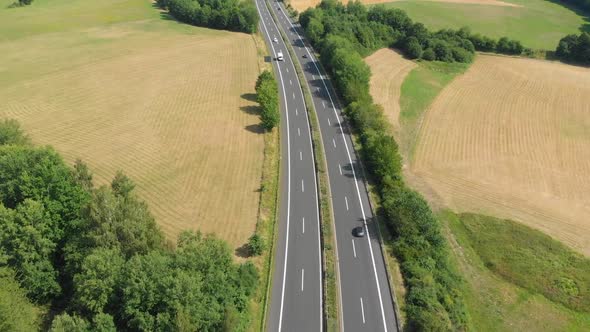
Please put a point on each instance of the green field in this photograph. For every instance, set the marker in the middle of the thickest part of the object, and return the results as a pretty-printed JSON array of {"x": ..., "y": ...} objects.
[
  {"x": 538, "y": 24},
  {"x": 518, "y": 279},
  {"x": 418, "y": 91}
]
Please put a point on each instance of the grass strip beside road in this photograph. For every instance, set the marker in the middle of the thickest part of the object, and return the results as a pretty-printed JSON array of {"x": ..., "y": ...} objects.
[{"x": 327, "y": 223}]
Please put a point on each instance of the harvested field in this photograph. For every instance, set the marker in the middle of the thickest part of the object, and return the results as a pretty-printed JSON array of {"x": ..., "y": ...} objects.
[
  {"x": 511, "y": 138},
  {"x": 166, "y": 103},
  {"x": 304, "y": 4},
  {"x": 388, "y": 71}
]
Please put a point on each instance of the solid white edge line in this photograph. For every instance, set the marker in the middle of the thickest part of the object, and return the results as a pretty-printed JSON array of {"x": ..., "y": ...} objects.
[
  {"x": 288, "y": 179},
  {"x": 302, "y": 278},
  {"x": 357, "y": 189},
  {"x": 353, "y": 248}
]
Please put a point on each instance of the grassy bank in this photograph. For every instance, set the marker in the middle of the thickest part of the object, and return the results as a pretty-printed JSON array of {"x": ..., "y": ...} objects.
[
  {"x": 266, "y": 226},
  {"x": 537, "y": 24},
  {"x": 418, "y": 91},
  {"x": 518, "y": 278}
]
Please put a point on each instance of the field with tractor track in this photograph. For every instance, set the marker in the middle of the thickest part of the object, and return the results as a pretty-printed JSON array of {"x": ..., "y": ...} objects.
[{"x": 122, "y": 86}]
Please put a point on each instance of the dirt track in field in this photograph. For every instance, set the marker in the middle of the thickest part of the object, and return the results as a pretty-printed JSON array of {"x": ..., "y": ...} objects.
[
  {"x": 388, "y": 71},
  {"x": 511, "y": 138}
]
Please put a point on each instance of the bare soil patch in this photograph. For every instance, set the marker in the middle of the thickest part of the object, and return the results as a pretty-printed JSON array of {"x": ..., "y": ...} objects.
[
  {"x": 511, "y": 138},
  {"x": 388, "y": 71}
]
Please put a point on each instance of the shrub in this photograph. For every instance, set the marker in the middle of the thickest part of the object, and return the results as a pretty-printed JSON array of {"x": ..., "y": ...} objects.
[
  {"x": 429, "y": 55},
  {"x": 413, "y": 49},
  {"x": 256, "y": 245}
]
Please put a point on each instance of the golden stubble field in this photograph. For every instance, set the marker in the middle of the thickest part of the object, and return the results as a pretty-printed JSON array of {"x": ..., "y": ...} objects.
[
  {"x": 511, "y": 138},
  {"x": 161, "y": 101},
  {"x": 302, "y": 5}
]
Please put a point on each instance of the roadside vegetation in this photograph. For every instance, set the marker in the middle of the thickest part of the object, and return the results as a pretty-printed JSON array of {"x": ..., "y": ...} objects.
[
  {"x": 97, "y": 257},
  {"x": 233, "y": 15},
  {"x": 267, "y": 95},
  {"x": 518, "y": 278}
]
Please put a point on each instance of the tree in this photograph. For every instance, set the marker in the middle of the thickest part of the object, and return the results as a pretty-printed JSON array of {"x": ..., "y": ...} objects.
[
  {"x": 256, "y": 245},
  {"x": 413, "y": 48},
  {"x": 102, "y": 322},
  {"x": 67, "y": 323},
  {"x": 82, "y": 175},
  {"x": 122, "y": 185},
  {"x": 95, "y": 284},
  {"x": 11, "y": 133},
  {"x": 429, "y": 54},
  {"x": 25, "y": 235},
  {"x": 314, "y": 30}
]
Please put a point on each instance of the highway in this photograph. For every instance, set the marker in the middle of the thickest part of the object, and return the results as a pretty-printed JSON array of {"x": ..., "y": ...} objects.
[
  {"x": 366, "y": 303},
  {"x": 296, "y": 300}
]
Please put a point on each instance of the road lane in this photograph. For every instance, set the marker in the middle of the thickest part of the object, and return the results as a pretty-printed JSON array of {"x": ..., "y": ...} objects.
[
  {"x": 361, "y": 264},
  {"x": 296, "y": 300}
]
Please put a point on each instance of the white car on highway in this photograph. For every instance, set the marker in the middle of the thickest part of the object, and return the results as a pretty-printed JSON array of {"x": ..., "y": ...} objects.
[{"x": 275, "y": 39}]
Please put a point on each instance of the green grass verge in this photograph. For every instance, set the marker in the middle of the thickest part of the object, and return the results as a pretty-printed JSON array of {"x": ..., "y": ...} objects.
[
  {"x": 327, "y": 224},
  {"x": 538, "y": 24},
  {"x": 418, "y": 91},
  {"x": 266, "y": 227},
  {"x": 518, "y": 278}
]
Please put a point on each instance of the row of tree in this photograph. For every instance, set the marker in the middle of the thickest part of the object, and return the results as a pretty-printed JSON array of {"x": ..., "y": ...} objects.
[
  {"x": 267, "y": 95},
  {"x": 370, "y": 29},
  {"x": 573, "y": 48},
  {"x": 97, "y": 257},
  {"x": 433, "y": 300},
  {"x": 582, "y": 4},
  {"x": 233, "y": 15}
]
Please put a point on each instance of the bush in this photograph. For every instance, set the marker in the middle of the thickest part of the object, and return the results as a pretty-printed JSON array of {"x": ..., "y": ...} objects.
[
  {"x": 574, "y": 48},
  {"x": 429, "y": 55},
  {"x": 256, "y": 245},
  {"x": 413, "y": 48},
  {"x": 267, "y": 96}
]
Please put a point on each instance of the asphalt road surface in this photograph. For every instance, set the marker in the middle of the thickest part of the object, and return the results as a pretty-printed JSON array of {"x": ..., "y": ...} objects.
[
  {"x": 296, "y": 303},
  {"x": 366, "y": 301}
]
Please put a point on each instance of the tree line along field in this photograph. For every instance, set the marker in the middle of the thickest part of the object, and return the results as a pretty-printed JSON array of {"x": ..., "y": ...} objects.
[
  {"x": 114, "y": 84},
  {"x": 538, "y": 24}
]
